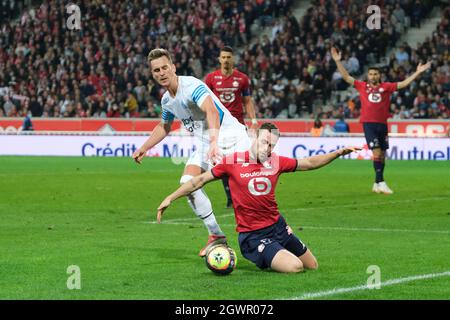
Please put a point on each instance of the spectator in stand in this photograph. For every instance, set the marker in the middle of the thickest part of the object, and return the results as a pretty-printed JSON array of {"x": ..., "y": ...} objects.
[
  {"x": 131, "y": 106},
  {"x": 317, "y": 129},
  {"x": 27, "y": 124},
  {"x": 341, "y": 126},
  {"x": 114, "y": 111},
  {"x": 401, "y": 55},
  {"x": 150, "y": 111}
]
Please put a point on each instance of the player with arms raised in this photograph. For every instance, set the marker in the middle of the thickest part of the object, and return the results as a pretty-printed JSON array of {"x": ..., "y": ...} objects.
[
  {"x": 232, "y": 87},
  {"x": 375, "y": 100},
  {"x": 264, "y": 237},
  {"x": 201, "y": 112}
]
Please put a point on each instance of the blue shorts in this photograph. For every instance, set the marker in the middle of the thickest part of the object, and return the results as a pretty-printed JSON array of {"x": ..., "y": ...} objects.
[
  {"x": 260, "y": 246},
  {"x": 376, "y": 135}
]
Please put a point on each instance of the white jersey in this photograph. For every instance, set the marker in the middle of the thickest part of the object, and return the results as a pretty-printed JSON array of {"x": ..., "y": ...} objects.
[{"x": 191, "y": 93}]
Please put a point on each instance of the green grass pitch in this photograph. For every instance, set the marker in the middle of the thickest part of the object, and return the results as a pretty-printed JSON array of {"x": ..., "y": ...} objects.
[{"x": 96, "y": 213}]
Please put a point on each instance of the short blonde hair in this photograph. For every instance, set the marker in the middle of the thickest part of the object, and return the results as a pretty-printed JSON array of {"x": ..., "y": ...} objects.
[{"x": 158, "y": 53}]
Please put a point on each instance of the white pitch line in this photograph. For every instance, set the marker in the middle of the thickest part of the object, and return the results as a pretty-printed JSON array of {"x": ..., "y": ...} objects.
[
  {"x": 193, "y": 219},
  {"x": 336, "y": 291},
  {"x": 378, "y": 229},
  {"x": 326, "y": 207},
  {"x": 185, "y": 223},
  {"x": 367, "y": 204}
]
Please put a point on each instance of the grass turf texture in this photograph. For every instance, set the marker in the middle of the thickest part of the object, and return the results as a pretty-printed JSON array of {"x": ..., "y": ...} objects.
[{"x": 94, "y": 213}]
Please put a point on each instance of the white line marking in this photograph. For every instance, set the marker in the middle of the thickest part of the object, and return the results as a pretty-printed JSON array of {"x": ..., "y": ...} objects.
[
  {"x": 377, "y": 229},
  {"x": 326, "y": 207},
  {"x": 185, "y": 223},
  {"x": 336, "y": 291},
  {"x": 193, "y": 219},
  {"x": 367, "y": 204}
]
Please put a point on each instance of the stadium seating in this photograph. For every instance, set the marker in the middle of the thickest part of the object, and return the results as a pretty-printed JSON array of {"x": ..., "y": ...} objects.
[{"x": 101, "y": 70}]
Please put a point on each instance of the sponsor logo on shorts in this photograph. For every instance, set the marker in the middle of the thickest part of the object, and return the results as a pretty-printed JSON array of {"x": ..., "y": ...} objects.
[{"x": 261, "y": 247}]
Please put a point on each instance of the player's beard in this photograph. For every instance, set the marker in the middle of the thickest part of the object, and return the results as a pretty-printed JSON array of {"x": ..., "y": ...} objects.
[
  {"x": 227, "y": 68},
  {"x": 263, "y": 156}
]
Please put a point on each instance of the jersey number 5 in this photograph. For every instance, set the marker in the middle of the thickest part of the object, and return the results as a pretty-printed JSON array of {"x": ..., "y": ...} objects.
[{"x": 259, "y": 186}]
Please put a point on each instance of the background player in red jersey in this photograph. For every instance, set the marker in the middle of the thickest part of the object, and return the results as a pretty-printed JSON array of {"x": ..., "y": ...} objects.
[
  {"x": 375, "y": 100},
  {"x": 264, "y": 237},
  {"x": 233, "y": 89}
]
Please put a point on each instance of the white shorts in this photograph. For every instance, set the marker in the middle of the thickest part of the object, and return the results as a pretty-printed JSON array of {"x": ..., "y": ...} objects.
[{"x": 200, "y": 156}]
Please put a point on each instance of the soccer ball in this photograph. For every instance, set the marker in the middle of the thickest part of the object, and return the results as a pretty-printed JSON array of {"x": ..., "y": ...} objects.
[{"x": 221, "y": 259}]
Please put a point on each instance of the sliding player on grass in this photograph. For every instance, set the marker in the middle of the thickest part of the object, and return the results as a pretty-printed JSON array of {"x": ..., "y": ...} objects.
[{"x": 264, "y": 237}]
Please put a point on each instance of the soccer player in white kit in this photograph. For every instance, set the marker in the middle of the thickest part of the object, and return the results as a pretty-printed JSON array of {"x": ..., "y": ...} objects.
[{"x": 201, "y": 112}]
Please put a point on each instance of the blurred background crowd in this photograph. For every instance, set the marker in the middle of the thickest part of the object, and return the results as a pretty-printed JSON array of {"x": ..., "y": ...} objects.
[{"x": 101, "y": 70}]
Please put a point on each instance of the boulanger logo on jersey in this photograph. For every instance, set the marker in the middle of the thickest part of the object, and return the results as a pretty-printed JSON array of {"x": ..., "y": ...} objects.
[
  {"x": 375, "y": 97},
  {"x": 227, "y": 97},
  {"x": 259, "y": 186}
]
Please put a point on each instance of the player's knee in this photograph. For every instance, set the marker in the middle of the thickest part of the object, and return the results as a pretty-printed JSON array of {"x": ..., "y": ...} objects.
[
  {"x": 314, "y": 265},
  {"x": 295, "y": 266},
  {"x": 185, "y": 178}
]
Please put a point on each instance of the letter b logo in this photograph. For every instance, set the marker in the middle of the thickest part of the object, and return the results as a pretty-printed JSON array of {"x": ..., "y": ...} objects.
[{"x": 259, "y": 186}]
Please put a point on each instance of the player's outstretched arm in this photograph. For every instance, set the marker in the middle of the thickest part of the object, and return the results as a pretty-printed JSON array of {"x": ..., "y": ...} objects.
[
  {"x": 420, "y": 68},
  {"x": 184, "y": 190},
  {"x": 316, "y": 162},
  {"x": 213, "y": 120},
  {"x": 336, "y": 55},
  {"x": 250, "y": 111},
  {"x": 158, "y": 134}
]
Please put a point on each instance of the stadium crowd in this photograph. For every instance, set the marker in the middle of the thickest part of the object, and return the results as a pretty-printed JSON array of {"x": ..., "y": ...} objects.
[
  {"x": 293, "y": 71},
  {"x": 101, "y": 70},
  {"x": 429, "y": 97}
]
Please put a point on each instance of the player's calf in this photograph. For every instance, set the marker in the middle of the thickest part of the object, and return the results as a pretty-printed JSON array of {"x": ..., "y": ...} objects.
[{"x": 309, "y": 261}]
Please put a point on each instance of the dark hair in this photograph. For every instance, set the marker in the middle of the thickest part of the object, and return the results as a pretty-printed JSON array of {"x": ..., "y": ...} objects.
[
  {"x": 158, "y": 53},
  {"x": 374, "y": 68},
  {"x": 271, "y": 127},
  {"x": 317, "y": 123},
  {"x": 227, "y": 49}
]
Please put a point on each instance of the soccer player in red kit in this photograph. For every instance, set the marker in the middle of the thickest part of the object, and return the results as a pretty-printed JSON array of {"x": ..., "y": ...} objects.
[
  {"x": 233, "y": 89},
  {"x": 375, "y": 100},
  {"x": 264, "y": 237}
]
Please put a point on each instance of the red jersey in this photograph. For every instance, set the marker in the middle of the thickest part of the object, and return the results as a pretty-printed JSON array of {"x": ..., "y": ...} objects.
[
  {"x": 230, "y": 90},
  {"x": 252, "y": 187},
  {"x": 375, "y": 101}
]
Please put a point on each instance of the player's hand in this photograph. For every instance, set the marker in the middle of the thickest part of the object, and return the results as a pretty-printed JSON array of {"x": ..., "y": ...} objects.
[
  {"x": 347, "y": 150},
  {"x": 254, "y": 126},
  {"x": 335, "y": 54},
  {"x": 214, "y": 154},
  {"x": 138, "y": 155},
  {"x": 252, "y": 133},
  {"x": 162, "y": 207},
  {"x": 422, "y": 67}
]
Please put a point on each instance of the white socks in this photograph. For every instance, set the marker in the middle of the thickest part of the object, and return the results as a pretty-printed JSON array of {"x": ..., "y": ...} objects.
[{"x": 200, "y": 203}]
